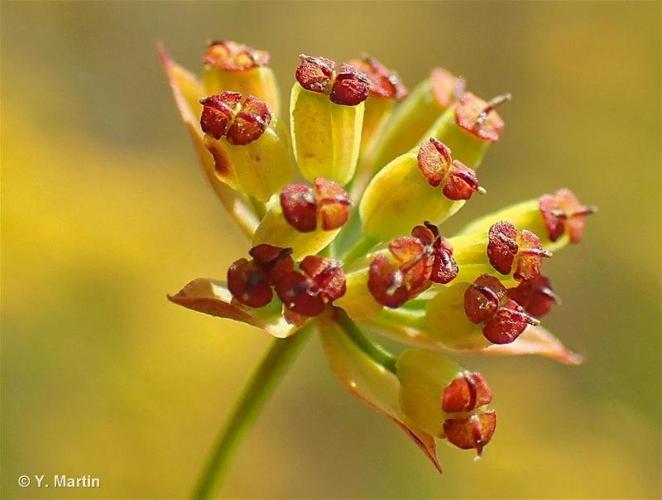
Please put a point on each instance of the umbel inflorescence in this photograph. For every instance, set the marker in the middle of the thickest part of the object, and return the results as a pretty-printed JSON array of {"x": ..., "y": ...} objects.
[{"x": 351, "y": 244}]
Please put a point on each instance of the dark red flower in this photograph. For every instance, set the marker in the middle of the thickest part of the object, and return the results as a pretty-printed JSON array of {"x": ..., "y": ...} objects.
[
  {"x": 535, "y": 295},
  {"x": 446, "y": 87},
  {"x": 325, "y": 201},
  {"x": 479, "y": 118},
  {"x": 486, "y": 301},
  {"x": 458, "y": 181},
  {"x": 240, "y": 122},
  {"x": 383, "y": 82},
  {"x": 306, "y": 293},
  {"x": 227, "y": 55},
  {"x": 347, "y": 86},
  {"x": 562, "y": 212},
  {"x": 508, "y": 248},
  {"x": 466, "y": 393},
  {"x": 471, "y": 431},
  {"x": 413, "y": 262}
]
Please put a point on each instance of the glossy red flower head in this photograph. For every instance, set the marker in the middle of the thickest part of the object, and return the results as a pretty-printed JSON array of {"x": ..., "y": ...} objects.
[
  {"x": 458, "y": 181},
  {"x": 240, "y": 122},
  {"x": 413, "y": 262},
  {"x": 227, "y": 55},
  {"x": 345, "y": 84},
  {"x": 486, "y": 301},
  {"x": 562, "y": 212}
]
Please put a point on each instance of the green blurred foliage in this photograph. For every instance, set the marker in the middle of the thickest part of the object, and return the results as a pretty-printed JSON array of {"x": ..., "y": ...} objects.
[{"x": 104, "y": 211}]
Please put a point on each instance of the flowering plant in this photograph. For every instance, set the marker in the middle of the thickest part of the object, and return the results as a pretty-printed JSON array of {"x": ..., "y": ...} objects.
[{"x": 353, "y": 246}]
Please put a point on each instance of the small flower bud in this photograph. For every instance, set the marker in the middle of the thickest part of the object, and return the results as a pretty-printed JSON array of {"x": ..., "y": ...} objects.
[
  {"x": 249, "y": 154},
  {"x": 557, "y": 219},
  {"x": 444, "y": 400},
  {"x": 469, "y": 127},
  {"x": 459, "y": 182},
  {"x": 326, "y": 111},
  {"x": 508, "y": 247},
  {"x": 405, "y": 188},
  {"x": 326, "y": 201},
  {"x": 412, "y": 263},
  {"x": 415, "y": 116},
  {"x": 385, "y": 90},
  {"x": 227, "y": 55},
  {"x": 562, "y": 213},
  {"x": 234, "y": 66}
]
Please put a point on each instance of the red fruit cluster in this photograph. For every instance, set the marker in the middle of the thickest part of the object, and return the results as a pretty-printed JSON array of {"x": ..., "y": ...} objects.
[
  {"x": 227, "y": 55},
  {"x": 486, "y": 301},
  {"x": 383, "y": 82},
  {"x": 508, "y": 249},
  {"x": 466, "y": 394},
  {"x": 240, "y": 122},
  {"x": 306, "y": 293},
  {"x": 562, "y": 212},
  {"x": 346, "y": 85},
  {"x": 479, "y": 118},
  {"x": 435, "y": 162},
  {"x": 446, "y": 87},
  {"x": 325, "y": 202},
  {"x": 412, "y": 264}
]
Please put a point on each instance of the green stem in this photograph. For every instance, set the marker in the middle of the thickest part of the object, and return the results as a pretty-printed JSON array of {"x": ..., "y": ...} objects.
[
  {"x": 270, "y": 371},
  {"x": 376, "y": 352},
  {"x": 360, "y": 249}
]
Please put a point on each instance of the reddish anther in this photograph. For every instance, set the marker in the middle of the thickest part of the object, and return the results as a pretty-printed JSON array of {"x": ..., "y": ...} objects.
[
  {"x": 306, "y": 293},
  {"x": 227, "y": 55},
  {"x": 348, "y": 86},
  {"x": 536, "y": 296},
  {"x": 529, "y": 256},
  {"x": 249, "y": 284},
  {"x": 413, "y": 262},
  {"x": 446, "y": 87},
  {"x": 435, "y": 162},
  {"x": 502, "y": 246},
  {"x": 472, "y": 431},
  {"x": 507, "y": 323},
  {"x": 325, "y": 201},
  {"x": 218, "y": 112},
  {"x": 444, "y": 268},
  {"x": 486, "y": 301},
  {"x": 351, "y": 86},
  {"x": 479, "y": 118},
  {"x": 240, "y": 122},
  {"x": 483, "y": 297},
  {"x": 274, "y": 261},
  {"x": 383, "y": 82},
  {"x": 466, "y": 393},
  {"x": 562, "y": 212},
  {"x": 315, "y": 73}
]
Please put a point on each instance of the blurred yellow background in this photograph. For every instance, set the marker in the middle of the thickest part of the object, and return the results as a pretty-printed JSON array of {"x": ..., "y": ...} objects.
[{"x": 104, "y": 211}]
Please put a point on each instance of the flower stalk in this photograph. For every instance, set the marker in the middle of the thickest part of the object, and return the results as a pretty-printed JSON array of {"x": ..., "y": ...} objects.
[{"x": 269, "y": 373}]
